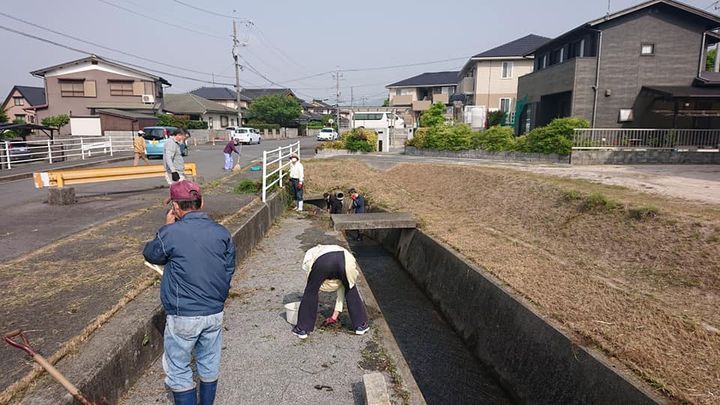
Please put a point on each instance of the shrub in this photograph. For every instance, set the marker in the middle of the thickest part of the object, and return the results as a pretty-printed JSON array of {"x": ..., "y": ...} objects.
[
  {"x": 358, "y": 140},
  {"x": 496, "y": 118},
  {"x": 196, "y": 124},
  {"x": 419, "y": 138},
  {"x": 434, "y": 116},
  {"x": 247, "y": 186},
  {"x": 332, "y": 145},
  {"x": 571, "y": 195},
  {"x": 596, "y": 201},
  {"x": 556, "y": 137},
  {"x": 642, "y": 213},
  {"x": 495, "y": 139},
  {"x": 520, "y": 144},
  {"x": 260, "y": 126}
]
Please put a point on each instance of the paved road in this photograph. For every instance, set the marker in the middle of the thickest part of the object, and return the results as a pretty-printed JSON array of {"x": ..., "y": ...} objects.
[{"x": 28, "y": 223}]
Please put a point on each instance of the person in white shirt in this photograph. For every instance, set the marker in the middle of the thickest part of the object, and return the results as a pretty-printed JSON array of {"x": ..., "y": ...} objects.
[
  {"x": 297, "y": 176},
  {"x": 330, "y": 268}
]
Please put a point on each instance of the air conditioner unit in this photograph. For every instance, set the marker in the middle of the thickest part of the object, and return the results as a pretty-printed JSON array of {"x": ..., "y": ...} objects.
[{"x": 148, "y": 98}]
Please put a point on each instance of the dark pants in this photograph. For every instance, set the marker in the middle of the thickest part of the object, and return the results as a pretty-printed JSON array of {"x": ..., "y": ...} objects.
[
  {"x": 297, "y": 192},
  {"x": 330, "y": 266}
]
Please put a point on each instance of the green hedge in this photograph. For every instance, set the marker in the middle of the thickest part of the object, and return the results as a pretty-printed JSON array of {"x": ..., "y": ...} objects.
[
  {"x": 357, "y": 140},
  {"x": 556, "y": 137}
]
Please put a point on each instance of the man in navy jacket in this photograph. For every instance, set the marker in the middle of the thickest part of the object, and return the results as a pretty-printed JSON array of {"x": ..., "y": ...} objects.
[{"x": 199, "y": 259}]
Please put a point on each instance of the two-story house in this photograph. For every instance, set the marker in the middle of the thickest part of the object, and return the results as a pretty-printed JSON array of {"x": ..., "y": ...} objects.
[
  {"x": 489, "y": 79},
  {"x": 419, "y": 92},
  {"x": 21, "y": 102},
  {"x": 642, "y": 67},
  {"x": 87, "y": 86}
]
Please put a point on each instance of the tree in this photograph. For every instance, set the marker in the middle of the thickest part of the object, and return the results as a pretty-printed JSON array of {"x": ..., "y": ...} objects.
[
  {"x": 277, "y": 109},
  {"x": 434, "y": 116},
  {"x": 386, "y": 103},
  {"x": 710, "y": 60},
  {"x": 56, "y": 121},
  {"x": 3, "y": 116}
]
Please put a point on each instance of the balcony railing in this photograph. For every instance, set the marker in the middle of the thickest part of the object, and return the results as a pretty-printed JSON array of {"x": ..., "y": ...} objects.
[
  {"x": 404, "y": 100},
  {"x": 678, "y": 139}
]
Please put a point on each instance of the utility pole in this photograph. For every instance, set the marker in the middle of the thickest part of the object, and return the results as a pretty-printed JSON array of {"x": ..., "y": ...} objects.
[
  {"x": 337, "y": 75},
  {"x": 352, "y": 98},
  {"x": 236, "y": 56}
]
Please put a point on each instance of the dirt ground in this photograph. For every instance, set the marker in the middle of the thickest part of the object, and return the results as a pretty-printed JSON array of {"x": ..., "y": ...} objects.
[{"x": 633, "y": 274}]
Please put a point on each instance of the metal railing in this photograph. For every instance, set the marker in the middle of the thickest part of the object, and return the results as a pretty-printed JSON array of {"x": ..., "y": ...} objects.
[
  {"x": 281, "y": 157},
  {"x": 60, "y": 150},
  {"x": 632, "y": 138}
]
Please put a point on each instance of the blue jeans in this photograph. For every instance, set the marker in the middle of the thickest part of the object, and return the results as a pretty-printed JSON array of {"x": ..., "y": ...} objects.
[
  {"x": 182, "y": 335},
  {"x": 228, "y": 161}
]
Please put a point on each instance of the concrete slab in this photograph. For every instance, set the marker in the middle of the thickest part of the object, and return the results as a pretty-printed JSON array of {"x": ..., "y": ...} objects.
[
  {"x": 375, "y": 389},
  {"x": 375, "y": 220}
]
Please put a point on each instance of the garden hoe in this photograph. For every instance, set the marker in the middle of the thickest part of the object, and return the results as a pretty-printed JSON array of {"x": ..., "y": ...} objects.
[{"x": 10, "y": 338}]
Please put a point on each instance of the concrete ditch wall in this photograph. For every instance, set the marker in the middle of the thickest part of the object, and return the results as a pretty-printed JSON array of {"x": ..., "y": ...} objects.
[
  {"x": 483, "y": 154},
  {"x": 650, "y": 156},
  {"x": 531, "y": 358},
  {"x": 119, "y": 352}
]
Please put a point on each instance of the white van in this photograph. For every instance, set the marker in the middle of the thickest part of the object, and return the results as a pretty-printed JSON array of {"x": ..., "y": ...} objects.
[
  {"x": 244, "y": 135},
  {"x": 377, "y": 120}
]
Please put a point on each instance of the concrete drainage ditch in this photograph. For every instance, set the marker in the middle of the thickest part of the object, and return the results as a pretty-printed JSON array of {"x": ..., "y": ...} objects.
[{"x": 468, "y": 339}]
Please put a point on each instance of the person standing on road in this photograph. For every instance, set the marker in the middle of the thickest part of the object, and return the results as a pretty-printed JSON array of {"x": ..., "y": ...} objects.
[
  {"x": 199, "y": 259},
  {"x": 172, "y": 157},
  {"x": 330, "y": 268},
  {"x": 139, "y": 149},
  {"x": 297, "y": 176},
  {"x": 228, "y": 151}
]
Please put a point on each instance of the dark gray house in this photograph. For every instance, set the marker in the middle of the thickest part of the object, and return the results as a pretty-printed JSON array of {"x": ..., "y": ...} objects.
[{"x": 648, "y": 66}]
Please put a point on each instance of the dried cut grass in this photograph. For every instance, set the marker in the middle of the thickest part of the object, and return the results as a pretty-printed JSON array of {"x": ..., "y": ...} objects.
[{"x": 633, "y": 275}]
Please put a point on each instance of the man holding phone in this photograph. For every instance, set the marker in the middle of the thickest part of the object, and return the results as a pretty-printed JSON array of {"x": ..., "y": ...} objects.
[{"x": 199, "y": 259}]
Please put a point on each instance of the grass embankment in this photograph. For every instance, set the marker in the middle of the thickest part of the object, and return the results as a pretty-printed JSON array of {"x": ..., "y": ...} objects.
[{"x": 631, "y": 274}]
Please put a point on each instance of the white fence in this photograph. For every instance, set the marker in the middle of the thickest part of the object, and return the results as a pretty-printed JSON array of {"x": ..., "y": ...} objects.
[
  {"x": 61, "y": 150},
  {"x": 631, "y": 138},
  {"x": 279, "y": 160}
]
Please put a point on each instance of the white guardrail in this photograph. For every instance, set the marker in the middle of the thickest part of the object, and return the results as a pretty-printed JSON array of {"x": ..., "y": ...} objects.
[
  {"x": 280, "y": 160},
  {"x": 632, "y": 138},
  {"x": 60, "y": 150}
]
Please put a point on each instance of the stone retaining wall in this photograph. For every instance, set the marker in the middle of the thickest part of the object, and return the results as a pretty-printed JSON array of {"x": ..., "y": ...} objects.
[
  {"x": 648, "y": 156},
  {"x": 482, "y": 154}
]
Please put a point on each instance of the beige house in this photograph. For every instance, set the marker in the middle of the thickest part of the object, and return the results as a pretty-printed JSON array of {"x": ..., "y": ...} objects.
[
  {"x": 418, "y": 93},
  {"x": 81, "y": 87},
  {"x": 21, "y": 102},
  {"x": 490, "y": 79}
]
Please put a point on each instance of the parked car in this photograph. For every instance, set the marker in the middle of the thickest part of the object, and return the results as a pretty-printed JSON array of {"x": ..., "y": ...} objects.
[
  {"x": 155, "y": 138},
  {"x": 19, "y": 150},
  {"x": 327, "y": 134},
  {"x": 245, "y": 135}
]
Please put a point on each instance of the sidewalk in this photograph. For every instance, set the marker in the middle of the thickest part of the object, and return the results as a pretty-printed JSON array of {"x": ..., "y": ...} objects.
[
  {"x": 24, "y": 171},
  {"x": 262, "y": 361}
]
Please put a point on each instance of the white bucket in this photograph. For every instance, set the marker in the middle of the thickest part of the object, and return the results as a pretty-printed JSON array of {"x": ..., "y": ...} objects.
[{"x": 291, "y": 312}]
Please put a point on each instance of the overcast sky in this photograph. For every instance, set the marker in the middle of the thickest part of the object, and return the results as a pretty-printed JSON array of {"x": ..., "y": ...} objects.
[{"x": 288, "y": 39}]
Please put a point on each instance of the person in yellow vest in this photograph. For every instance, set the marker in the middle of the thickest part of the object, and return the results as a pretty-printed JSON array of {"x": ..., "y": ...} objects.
[
  {"x": 330, "y": 268},
  {"x": 139, "y": 149}
]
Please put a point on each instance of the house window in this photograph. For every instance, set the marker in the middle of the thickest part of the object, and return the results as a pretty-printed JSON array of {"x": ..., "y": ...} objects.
[
  {"x": 72, "y": 88},
  {"x": 223, "y": 121},
  {"x": 507, "y": 68},
  {"x": 118, "y": 88},
  {"x": 505, "y": 104},
  {"x": 625, "y": 115},
  {"x": 20, "y": 117},
  {"x": 398, "y": 92},
  {"x": 18, "y": 100},
  {"x": 647, "y": 49},
  {"x": 210, "y": 122},
  {"x": 437, "y": 90}
]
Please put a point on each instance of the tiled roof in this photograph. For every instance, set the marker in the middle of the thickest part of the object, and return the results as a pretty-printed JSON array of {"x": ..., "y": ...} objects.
[
  {"x": 429, "y": 79},
  {"x": 255, "y": 93},
  {"x": 34, "y": 95},
  {"x": 189, "y": 103},
  {"x": 218, "y": 93},
  {"x": 518, "y": 47}
]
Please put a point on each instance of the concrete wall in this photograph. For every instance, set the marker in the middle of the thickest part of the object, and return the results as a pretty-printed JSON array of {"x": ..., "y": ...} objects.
[
  {"x": 532, "y": 359},
  {"x": 650, "y": 156},
  {"x": 482, "y": 154},
  {"x": 118, "y": 353}
]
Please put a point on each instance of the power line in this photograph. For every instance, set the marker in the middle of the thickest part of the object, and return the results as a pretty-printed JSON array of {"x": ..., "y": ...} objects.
[
  {"x": 203, "y": 10},
  {"x": 161, "y": 21},
  {"x": 109, "y": 59},
  {"x": 108, "y": 48}
]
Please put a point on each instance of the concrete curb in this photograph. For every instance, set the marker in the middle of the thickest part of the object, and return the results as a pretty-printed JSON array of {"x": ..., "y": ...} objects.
[
  {"x": 19, "y": 176},
  {"x": 375, "y": 389},
  {"x": 117, "y": 354},
  {"x": 532, "y": 359}
]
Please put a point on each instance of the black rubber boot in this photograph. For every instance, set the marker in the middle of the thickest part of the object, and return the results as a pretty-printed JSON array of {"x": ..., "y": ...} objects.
[{"x": 207, "y": 392}]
